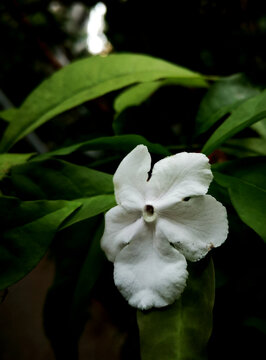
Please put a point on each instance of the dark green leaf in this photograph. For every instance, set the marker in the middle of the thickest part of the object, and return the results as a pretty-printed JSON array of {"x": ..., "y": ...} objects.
[
  {"x": 84, "y": 80},
  {"x": 72, "y": 250},
  {"x": 181, "y": 331},
  {"x": 88, "y": 275},
  {"x": 122, "y": 143},
  {"x": 246, "y": 114},
  {"x": 245, "y": 147},
  {"x": 222, "y": 98},
  {"x": 245, "y": 180},
  {"x": 9, "y": 160},
  {"x": 55, "y": 179},
  {"x": 26, "y": 233}
]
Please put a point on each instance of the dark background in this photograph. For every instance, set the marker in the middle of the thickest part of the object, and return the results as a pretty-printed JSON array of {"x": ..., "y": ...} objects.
[{"x": 212, "y": 37}]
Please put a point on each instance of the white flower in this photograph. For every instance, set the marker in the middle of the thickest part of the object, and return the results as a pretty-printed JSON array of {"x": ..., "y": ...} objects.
[{"x": 159, "y": 222}]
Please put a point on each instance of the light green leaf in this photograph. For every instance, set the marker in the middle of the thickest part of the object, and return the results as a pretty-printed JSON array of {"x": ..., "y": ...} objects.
[
  {"x": 119, "y": 144},
  {"x": 181, "y": 331},
  {"x": 260, "y": 128},
  {"x": 84, "y": 80},
  {"x": 26, "y": 233},
  {"x": 221, "y": 99},
  {"x": 9, "y": 160},
  {"x": 246, "y": 114},
  {"x": 90, "y": 207},
  {"x": 245, "y": 180}
]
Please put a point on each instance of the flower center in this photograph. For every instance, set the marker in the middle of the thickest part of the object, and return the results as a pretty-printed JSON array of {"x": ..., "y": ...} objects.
[{"x": 149, "y": 214}]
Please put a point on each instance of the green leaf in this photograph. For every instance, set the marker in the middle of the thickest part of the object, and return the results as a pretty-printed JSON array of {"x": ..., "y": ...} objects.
[
  {"x": 55, "y": 179},
  {"x": 119, "y": 144},
  {"x": 246, "y": 114},
  {"x": 139, "y": 93},
  {"x": 64, "y": 322},
  {"x": 245, "y": 147},
  {"x": 84, "y": 80},
  {"x": 88, "y": 275},
  {"x": 26, "y": 233},
  {"x": 260, "y": 128},
  {"x": 9, "y": 160},
  {"x": 222, "y": 98},
  {"x": 245, "y": 180},
  {"x": 9, "y": 114},
  {"x": 90, "y": 207},
  {"x": 181, "y": 331}
]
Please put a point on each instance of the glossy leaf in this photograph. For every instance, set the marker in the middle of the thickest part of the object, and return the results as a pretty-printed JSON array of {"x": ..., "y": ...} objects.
[
  {"x": 221, "y": 99},
  {"x": 245, "y": 180},
  {"x": 26, "y": 233},
  {"x": 246, "y": 114},
  {"x": 119, "y": 144},
  {"x": 9, "y": 160},
  {"x": 181, "y": 331},
  {"x": 84, "y": 80}
]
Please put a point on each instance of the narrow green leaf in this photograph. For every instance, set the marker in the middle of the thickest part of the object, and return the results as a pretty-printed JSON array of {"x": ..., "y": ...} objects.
[
  {"x": 84, "y": 80},
  {"x": 245, "y": 147},
  {"x": 222, "y": 98},
  {"x": 26, "y": 233},
  {"x": 245, "y": 180},
  {"x": 260, "y": 128},
  {"x": 88, "y": 275},
  {"x": 181, "y": 331},
  {"x": 9, "y": 114},
  {"x": 122, "y": 143},
  {"x": 9, "y": 160},
  {"x": 246, "y": 114},
  {"x": 90, "y": 207}
]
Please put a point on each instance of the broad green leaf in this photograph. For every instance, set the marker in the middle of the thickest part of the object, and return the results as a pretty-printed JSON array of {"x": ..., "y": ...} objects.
[
  {"x": 90, "y": 207},
  {"x": 245, "y": 180},
  {"x": 245, "y": 147},
  {"x": 221, "y": 99},
  {"x": 9, "y": 160},
  {"x": 55, "y": 179},
  {"x": 70, "y": 251},
  {"x": 246, "y": 114},
  {"x": 84, "y": 80},
  {"x": 26, "y": 233},
  {"x": 122, "y": 143},
  {"x": 181, "y": 331}
]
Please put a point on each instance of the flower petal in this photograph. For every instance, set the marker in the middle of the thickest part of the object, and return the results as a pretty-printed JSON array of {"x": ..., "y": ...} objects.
[
  {"x": 179, "y": 176},
  {"x": 120, "y": 227},
  {"x": 130, "y": 178},
  {"x": 149, "y": 272},
  {"x": 194, "y": 227}
]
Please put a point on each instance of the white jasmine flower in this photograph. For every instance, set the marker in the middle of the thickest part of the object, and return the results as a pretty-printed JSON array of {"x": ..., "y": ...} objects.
[{"x": 159, "y": 222}]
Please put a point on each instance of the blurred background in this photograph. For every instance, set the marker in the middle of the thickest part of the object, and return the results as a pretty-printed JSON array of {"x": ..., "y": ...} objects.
[{"x": 38, "y": 37}]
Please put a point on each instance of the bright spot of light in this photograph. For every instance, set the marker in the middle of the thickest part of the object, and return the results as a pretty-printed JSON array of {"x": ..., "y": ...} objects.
[{"x": 97, "y": 42}]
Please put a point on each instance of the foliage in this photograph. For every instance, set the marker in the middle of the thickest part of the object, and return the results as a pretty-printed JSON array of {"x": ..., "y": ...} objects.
[{"x": 55, "y": 200}]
